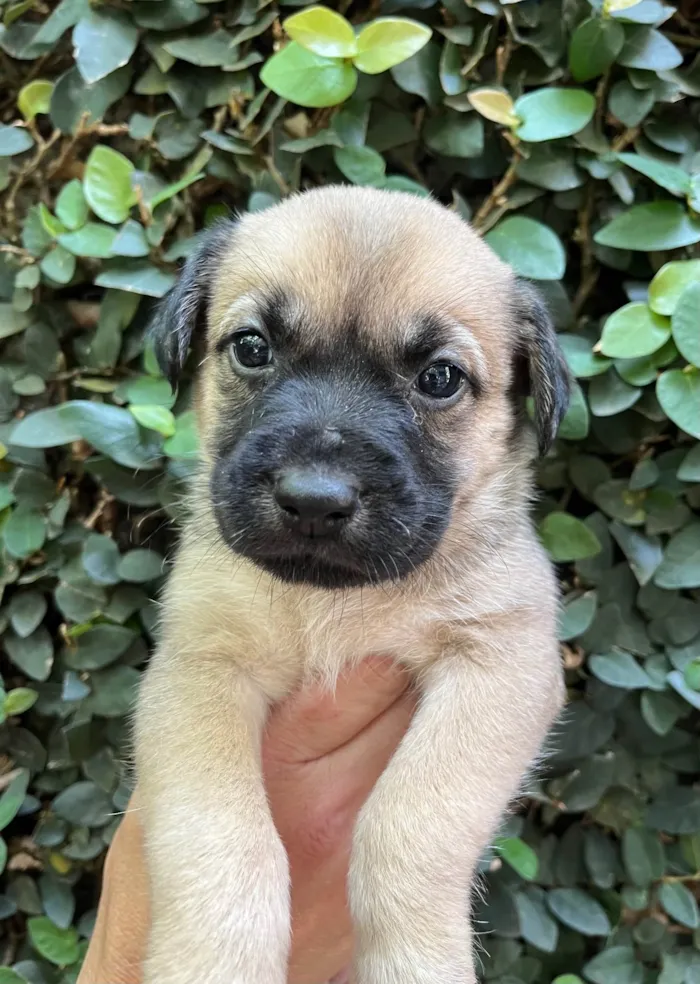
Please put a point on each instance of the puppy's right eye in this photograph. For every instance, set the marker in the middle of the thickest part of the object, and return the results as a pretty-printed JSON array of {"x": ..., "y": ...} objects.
[{"x": 251, "y": 350}]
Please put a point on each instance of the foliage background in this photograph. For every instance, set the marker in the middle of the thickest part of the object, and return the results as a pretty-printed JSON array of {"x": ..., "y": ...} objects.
[{"x": 598, "y": 876}]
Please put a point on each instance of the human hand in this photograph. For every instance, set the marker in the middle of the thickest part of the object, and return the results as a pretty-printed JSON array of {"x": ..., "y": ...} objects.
[{"x": 322, "y": 755}]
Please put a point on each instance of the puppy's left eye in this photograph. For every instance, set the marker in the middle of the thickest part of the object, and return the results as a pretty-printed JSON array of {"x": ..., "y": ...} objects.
[
  {"x": 441, "y": 380},
  {"x": 251, "y": 350}
]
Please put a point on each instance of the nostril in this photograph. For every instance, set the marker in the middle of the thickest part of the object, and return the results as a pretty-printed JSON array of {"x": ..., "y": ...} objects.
[{"x": 315, "y": 502}]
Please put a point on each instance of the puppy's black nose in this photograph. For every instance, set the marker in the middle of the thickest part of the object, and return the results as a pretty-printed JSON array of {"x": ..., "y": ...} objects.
[{"x": 315, "y": 503}]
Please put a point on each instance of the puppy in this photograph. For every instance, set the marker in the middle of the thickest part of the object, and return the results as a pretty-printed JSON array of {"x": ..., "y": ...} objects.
[{"x": 364, "y": 489}]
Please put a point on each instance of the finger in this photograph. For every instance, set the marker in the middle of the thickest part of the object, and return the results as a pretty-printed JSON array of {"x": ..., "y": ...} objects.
[
  {"x": 319, "y": 840},
  {"x": 315, "y": 721},
  {"x": 118, "y": 942}
]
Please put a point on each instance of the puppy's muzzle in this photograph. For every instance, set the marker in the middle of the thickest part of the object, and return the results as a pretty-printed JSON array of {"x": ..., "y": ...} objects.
[{"x": 315, "y": 502}]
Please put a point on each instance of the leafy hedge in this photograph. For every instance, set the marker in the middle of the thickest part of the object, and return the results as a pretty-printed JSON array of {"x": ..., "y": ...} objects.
[{"x": 568, "y": 132}]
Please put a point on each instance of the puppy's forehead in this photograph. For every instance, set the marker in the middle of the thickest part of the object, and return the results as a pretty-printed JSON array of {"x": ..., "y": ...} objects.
[{"x": 382, "y": 260}]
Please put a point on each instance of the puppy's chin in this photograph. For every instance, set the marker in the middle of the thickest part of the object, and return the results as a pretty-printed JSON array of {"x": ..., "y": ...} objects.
[{"x": 315, "y": 572}]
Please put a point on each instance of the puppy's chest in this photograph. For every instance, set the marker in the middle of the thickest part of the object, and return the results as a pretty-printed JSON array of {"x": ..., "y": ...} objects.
[{"x": 328, "y": 634}]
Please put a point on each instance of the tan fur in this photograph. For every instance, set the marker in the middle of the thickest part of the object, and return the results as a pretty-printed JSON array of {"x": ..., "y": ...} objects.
[{"x": 476, "y": 624}]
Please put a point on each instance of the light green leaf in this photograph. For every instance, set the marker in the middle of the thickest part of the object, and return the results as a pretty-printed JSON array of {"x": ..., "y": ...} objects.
[
  {"x": 308, "y": 79},
  {"x": 35, "y": 98},
  {"x": 131, "y": 240},
  {"x": 619, "y": 670},
  {"x": 12, "y": 797},
  {"x": 680, "y": 567},
  {"x": 576, "y": 421},
  {"x": 71, "y": 207},
  {"x": 576, "y": 616},
  {"x": 107, "y": 184},
  {"x": 549, "y": 114},
  {"x": 648, "y": 49},
  {"x": 58, "y": 265},
  {"x": 322, "y": 31},
  {"x": 135, "y": 276},
  {"x": 616, "y": 965},
  {"x": 14, "y": 140},
  {"x": 581, "y": 357},
  {"x": 649, "y": 227},
  {"x": 104, "y": 40},
  {"x": 387, "y": 42},
  {"x": 519, "y": 855},
  {"x": 58, "y": 946},
  {"x": 140, "y": 566},
  {"x": 531, "y": 248},
  {"x": 94, "y": 239},
  {"x": 24, "y": 532},
  {"x": 155, "y": 418},
  {"x": 184, "y": 443},
  {"x": 634, "y": 331},
  {"x": 669, "y": 283},
  {"x": 361, "y": 165},
  {"x": 685, "y": 324},
  {"x": 18, "y": 701},
  {"x": 644, "y": 553},
  {"x": 567, "y": 538},
  {"x": 680, "y": 904},
  {"x": 678, "y": 392},
  {"x": 673, "y": 179},
  {"x": 495, "y": 105}
]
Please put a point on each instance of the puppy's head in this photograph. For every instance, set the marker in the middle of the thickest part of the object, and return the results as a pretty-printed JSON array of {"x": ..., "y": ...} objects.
[{"x": 360, "y": 354}]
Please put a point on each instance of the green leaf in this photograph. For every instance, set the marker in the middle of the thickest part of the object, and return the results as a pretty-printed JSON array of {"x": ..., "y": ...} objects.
[
  {"x": 649, "y": 49},
  {"x": 35, "y": 98},
  {"x": 689, "y": 470},
  {"x": 495, "y": 105},
  {"x": 360, "y": 165},
  {"x": 322, "y": 31},
  {"x": 536, "y": 925},
  {"x": 58, "y": 946},
  {"x": 27, "y": 610},
  {"x": 184, "y": 443},
  {"x": 594, "y": 46},
  {"x": 101, "y": 559},
  {"x": 74, "y": 99},
  {"x": 14, "y": 140},
  {"x": 171, "y": 190},
  {"x": 519, "y": 855},
  {"x": 71, "y": 207},
  {"x": 308, "y": 79},
  {"x": 152, "y": 390},
  {"x": 644, "y": 553},
  {"x": 678, "y": 392},
  {"x": 94, "y": 239},
  {"x": 576, "y": 909},
  {"x": 609, "y": 395},
  {"x": 13, "y": 796},
  {"x": 549, "y": 114},
  {"x": 643, "y": 856},
  {"x": 204, "y": 50},
  {"x": 9, "y": 976},
  {"x": 680, "y": 904},
  {"x": 616, "y": 965},
  {"x": 387, "y": 42},
  {"x": 104, "y": 40},
  {"x": 131, "y": 240},
  {"x": 155, "y": 418},
  {"x": 58, "y": 265},
  {"x": 680, "y": 567},
  {"x": 567, "y": 538},
  {"x": 24, "y": 532},
  {"x": 675, "y": 810},
  {"x": 576, "y": 422},
  {"x": 673, "y": 179},
  {"x": 679, "y": 683},
  {"x": 99, "y": 646},
  {"x": 581, "y": 357},
  {"x": 107, "y": 184},
  {"x": 19, "y": 700},
  {"x": 576, "y": 616},
  {"x": 140, "y": 566},
  {"x": 137, "y": 277},
  {"x": 619, "y": 670},
  {"x": 33, "y": 655},
  {"x": 634, "y": 331},
  {"x": 530, "y": 247},
  {"x": 685, "y": 324},
  {"x": 649, "y": 227},
  {"x": 455, "y": 135},
  {"x": 669, "y": 283}
]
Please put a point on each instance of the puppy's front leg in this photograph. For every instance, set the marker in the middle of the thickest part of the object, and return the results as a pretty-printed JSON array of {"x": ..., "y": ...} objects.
[
  {"x": 484, "y": 712},
  {"x": 218, "y": 870}
]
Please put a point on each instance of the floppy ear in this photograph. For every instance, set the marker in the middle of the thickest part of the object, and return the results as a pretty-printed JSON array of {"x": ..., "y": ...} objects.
[
  {"x": 547, "y": 374},
  {"x": 183, "y": 310}
]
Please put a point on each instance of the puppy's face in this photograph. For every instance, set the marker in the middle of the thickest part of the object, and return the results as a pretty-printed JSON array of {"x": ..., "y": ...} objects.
[{"x": 360, "y": 352}]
